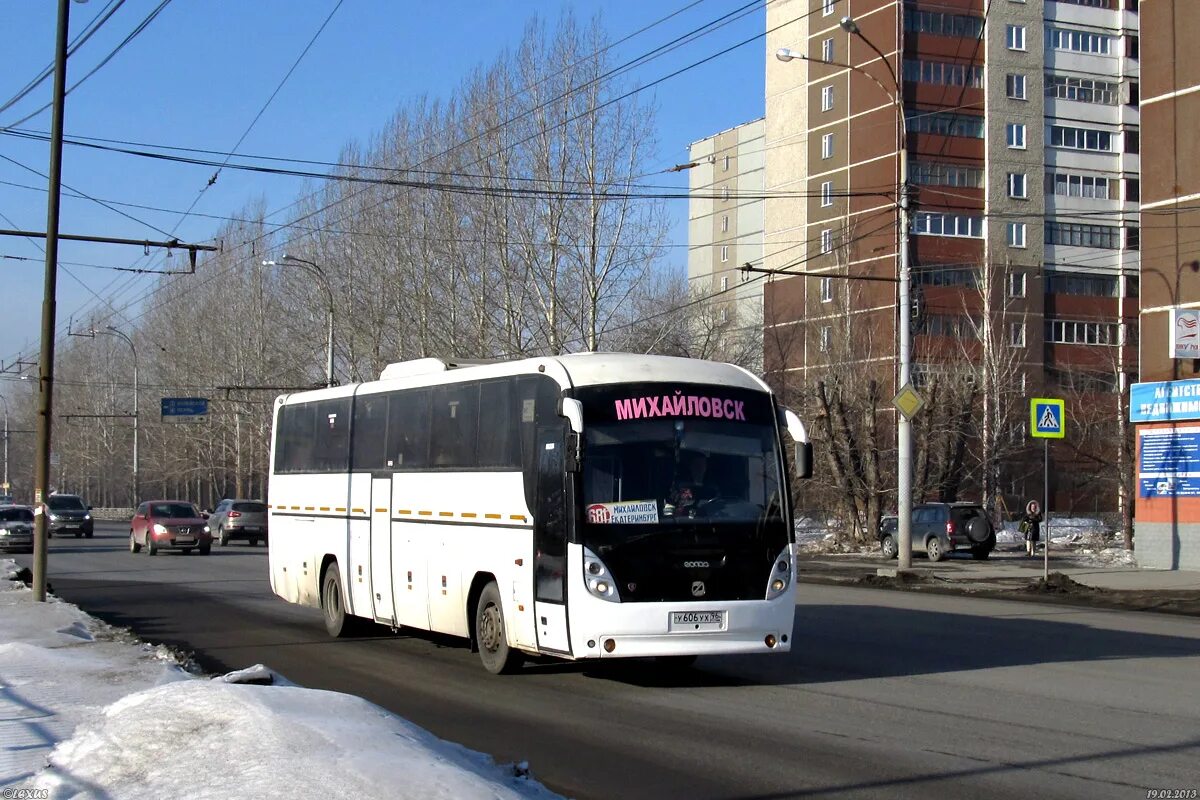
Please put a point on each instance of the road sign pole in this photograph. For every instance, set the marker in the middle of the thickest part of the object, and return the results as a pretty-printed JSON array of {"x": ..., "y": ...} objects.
[{"x": 1046, "y": 509}]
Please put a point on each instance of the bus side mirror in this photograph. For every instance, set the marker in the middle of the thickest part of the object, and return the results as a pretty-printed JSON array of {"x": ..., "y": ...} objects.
[
  {"x": 573, "y": 458},
  {"x": 804, "y": 457},
  {"x": 572, "y": 409}
]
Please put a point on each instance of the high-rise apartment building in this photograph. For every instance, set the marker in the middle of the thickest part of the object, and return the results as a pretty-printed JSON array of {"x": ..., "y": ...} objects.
[
  {"x": 1168, "y": 505},
  {"x": 1019, "y": 120},
  {"x": 725, "y": 231}
]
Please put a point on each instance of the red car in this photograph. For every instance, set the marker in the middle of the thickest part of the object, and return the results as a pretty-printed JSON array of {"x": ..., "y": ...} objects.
[{"x": 169, "y": 525}]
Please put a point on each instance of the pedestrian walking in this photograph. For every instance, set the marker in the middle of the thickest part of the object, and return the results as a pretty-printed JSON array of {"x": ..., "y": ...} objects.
[{"x": 1031, "y": 527}]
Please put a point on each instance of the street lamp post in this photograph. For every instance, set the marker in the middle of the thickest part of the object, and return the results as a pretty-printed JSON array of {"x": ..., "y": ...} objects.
[
  {"x": 904, "y": 488},
  {"x": 136, "y": 485},
  {"x": 291, "y": 260}
]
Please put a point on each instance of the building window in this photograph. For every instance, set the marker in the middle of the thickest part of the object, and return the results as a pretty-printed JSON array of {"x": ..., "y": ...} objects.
[
  {"x": 1081, "y": 138},
  {"x": 1014, "y": 86},
  {"x": 1016, "y": 334},
  {"x": 1133, "y": 238},
  {"x": 1014, "y": 37},
  {"x": 724, "y": 223},
  {"x": 1016, "y": 284},
  {"x": 1063, "y": 331},
  {"x": 1065, "y": 184},
  {"x": 1078, "y": 41},
  {"x": 826, "y": 290},
  {"x": 943, "y": 73},
  {"x": 1133, "y": 190},
  {"x": 1131, "y": 46},
  {"x": 1074, "y": 234},
  {"x": 1081, "y": 285},
  {"x": 1016, "y": 185},
  {"x": 1015, "y": 135},
  {"x": 827, "y": 50},
  {"x": 826, "y": 194},
  {"x": 725, "y": 192},
  {"x": 952, "y": 325},
  {"x": 826, "y": 338},
  {"x": 725, "y": 163},
  {"x": 827, "y": 98},
  {"x": 827, "y": 241},
  {"x": 1083, "y": 90},
  {"x": 827, "y": 146},
  {"x": 1134, "y": 94},
  {"x": 1014, "y": 234},
  {"x": 946, "y": 123},
  {"x": 932, "y": 173},
  {"x": 932, "y": 223},
  {"x": 1133, "y": 142},
  {"x": 827, "y": 7},
  {"x": 725, "y": 283},
  {"x": 942, "y": 276},
  {"x": 942, "y": 24},
  {"x": 724, "y": 253}
]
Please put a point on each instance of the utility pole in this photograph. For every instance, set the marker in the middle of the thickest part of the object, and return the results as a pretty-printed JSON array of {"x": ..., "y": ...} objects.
[{"x": 49, "y": 309}]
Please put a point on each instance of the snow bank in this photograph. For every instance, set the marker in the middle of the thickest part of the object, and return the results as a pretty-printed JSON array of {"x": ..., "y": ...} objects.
[{"x": 89, "y": 710}]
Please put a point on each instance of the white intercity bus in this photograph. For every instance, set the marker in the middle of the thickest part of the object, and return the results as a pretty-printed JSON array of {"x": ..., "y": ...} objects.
[{"x": 580, "y": 506}]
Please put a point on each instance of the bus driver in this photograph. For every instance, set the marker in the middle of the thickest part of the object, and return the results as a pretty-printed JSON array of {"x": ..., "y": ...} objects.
[{"x": 688, "y": 489}]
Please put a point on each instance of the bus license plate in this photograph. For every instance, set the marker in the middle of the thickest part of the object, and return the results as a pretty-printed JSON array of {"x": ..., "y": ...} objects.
[{"x": 697, "y": 621}]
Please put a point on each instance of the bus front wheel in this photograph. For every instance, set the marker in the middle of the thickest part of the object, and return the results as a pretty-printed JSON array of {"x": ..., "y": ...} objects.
[
  {"x": 337, "y": 622},
  {"x": 491, "y": 634}
]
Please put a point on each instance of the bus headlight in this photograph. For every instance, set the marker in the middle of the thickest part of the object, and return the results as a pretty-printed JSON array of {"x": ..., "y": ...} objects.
[
  {"x": 781, "y": 575},
  {"x": 598, "y": 579}
]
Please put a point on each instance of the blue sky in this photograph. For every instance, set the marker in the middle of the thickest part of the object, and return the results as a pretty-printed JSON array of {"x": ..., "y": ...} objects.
[{"x": 201, "y": 71}]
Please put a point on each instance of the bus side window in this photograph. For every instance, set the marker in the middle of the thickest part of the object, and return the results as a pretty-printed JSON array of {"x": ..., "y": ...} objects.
[
  {"x": 455, "y": 421},
  {"x": 498, "y": 443},
  {"x": 332, "y": 446},
  {"x": 370, "y": 432},
  {"x": 293, "y": 451},
  {"x": 408, "y": 429}
]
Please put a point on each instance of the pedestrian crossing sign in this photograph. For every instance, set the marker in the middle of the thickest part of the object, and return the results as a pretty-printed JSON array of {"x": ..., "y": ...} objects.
[{"x": 1047, "y": 419}]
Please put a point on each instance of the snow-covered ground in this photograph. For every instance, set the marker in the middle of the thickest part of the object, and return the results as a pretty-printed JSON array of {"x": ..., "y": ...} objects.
[{"x": 87, "y": 710}]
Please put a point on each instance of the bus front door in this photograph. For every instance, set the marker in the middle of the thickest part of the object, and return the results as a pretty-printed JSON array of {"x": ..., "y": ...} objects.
[
  {"x": 381, "y": 549},
  {"x": 550, "y": 541}
]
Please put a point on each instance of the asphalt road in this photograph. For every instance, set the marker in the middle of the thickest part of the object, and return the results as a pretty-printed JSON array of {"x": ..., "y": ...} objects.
[{"x": 890, "y": 694}]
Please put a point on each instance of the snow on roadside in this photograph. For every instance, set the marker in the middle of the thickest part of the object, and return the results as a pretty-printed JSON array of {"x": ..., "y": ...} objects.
[{"x": 88, "y": 710}]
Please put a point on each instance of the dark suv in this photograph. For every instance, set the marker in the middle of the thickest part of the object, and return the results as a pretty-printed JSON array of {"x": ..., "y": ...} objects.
[
  {"x": 69, "y": 514},
  {"x": 941, "y": 528}
]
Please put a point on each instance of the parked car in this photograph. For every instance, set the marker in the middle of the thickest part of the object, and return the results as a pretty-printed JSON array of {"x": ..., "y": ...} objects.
[
  {"x": 69, "y": 514},
  {"x": 239, "y": 519},
  {"x": 169, "y": 525},
  {"x": 941, "y": 528},
  {"x": 16, "y": 529}
]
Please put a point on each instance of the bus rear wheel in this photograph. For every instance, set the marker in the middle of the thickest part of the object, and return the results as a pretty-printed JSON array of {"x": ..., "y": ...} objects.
[
  {"x": 338, "y": 623},
  {"x": 492, "y": 635}
]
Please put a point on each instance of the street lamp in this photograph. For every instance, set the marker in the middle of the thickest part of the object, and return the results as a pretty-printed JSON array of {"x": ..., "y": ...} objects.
[
  {"x": 904, "y": 303},
  {"x": 136, "y": 485},
  {"x": 290, "y": 260}
]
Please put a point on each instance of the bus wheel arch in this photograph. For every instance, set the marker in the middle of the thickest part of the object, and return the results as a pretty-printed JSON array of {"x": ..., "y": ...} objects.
[
  {"x": 492, "y": 633},
  {"x": 338, "y": 621},
  {"x": 478, "y": 584}
]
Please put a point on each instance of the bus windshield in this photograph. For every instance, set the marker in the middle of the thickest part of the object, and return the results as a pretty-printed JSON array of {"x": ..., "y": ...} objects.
[{"x": 678, "y": 456}]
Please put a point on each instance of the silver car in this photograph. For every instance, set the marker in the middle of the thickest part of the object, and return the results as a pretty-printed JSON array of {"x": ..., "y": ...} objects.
[
  {"x": 16, "y": 529},
  {"x": 239, "y": 519}
]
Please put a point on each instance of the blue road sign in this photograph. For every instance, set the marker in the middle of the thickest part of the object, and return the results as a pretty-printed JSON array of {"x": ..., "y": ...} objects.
[
  {"x": 184, "y": 409},
  {"x": 1047, "y": 419}
]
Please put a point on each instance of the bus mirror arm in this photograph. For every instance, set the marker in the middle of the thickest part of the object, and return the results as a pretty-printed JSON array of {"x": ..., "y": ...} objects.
[{"x": 574, "y": 454}]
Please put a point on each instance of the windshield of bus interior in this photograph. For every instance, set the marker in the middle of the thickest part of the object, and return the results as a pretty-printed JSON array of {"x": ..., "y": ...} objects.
[{"x": 682, "y": 455}]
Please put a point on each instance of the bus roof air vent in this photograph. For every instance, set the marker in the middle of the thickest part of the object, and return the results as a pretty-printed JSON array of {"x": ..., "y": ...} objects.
[{"x": 408, "y": 369}]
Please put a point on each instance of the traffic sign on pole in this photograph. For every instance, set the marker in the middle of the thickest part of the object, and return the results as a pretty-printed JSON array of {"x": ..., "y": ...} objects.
[{"x": 1047, "y": 418}]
